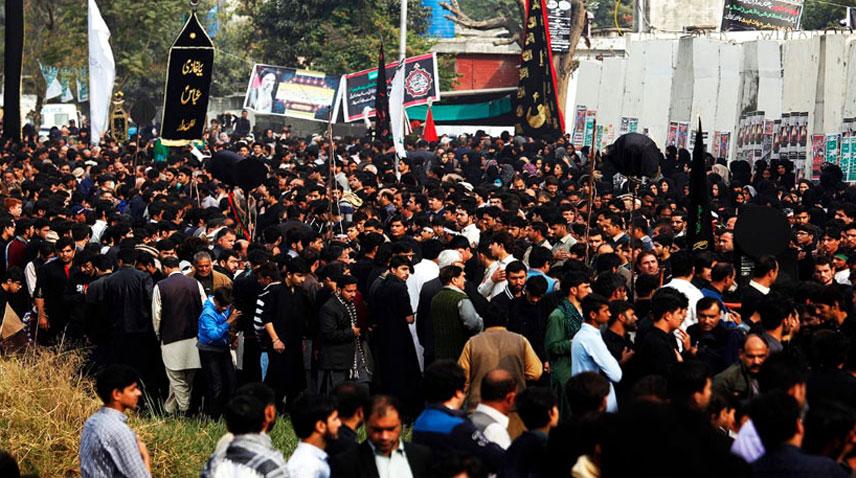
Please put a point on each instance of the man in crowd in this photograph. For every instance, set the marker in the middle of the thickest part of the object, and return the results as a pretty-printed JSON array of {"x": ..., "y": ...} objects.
[
  {"x": 108, "y": 446},
  {"x": 176, "y": 305},
  {"x": 316, "y": 423},
  {"x": 443, "y": 426},
  {"x": 384, "y": 453}
]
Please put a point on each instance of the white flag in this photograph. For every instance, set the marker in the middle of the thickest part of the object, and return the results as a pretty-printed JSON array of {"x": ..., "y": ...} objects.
[
  {"x": 102, "y": 73},
  {"x": 396, "y": 111}
]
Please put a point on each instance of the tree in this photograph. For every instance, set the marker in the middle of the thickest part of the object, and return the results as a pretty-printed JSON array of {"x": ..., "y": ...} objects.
[
  {"x": 821, "y": 15},
  {"x": 338, "y": 36},
  {"x": 509, "y": 15}
]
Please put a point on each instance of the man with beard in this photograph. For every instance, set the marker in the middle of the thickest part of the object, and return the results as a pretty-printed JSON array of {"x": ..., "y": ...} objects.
[
  {"x": 740, "y": 381},
  {"x": 286, "y": 314},
  {"x": 515, "y": 276},
  {"x": 622, "y": 322},
  {"x": 397, "y": 364},
  {"x": 716, "y": 345},
  {"x": 316, "y": 422},
  {"x": 340, "y": 341}
]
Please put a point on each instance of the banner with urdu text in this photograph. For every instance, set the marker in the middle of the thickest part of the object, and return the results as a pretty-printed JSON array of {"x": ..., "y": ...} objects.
[{"x": 421, "y": 83}]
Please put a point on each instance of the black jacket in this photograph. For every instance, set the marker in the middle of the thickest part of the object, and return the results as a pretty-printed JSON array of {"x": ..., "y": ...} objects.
[
  {"x": 127, "y": 294},
  {"x": 335, "y": 336},
  {"x": 359, "y": 462}
]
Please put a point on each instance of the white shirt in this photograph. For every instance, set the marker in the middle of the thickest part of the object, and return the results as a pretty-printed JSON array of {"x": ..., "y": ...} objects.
[
  {"x": 748, "y": 444},
  {"x": 496, "y": 432},
  {"x": 393, "y": 466},
  {"x": 180, "y": 355},
  {"x": 472, "y": 233},
  {"x": 693, "y": 295},
  {"x": 423, "y": 272},
  {"x": 490, "y": 289},
  {"x": 759, "y": 287},
  {"x": 308, "y": 461}
]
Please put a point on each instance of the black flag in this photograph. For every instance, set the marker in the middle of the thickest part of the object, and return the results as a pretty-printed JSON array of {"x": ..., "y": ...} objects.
[
  {"x": 700, "y": 233},
  {"x": 382, "y": 125},
  {"x": 12, "y": 60},
  {"x": 537, "y": 113},
  {"x": 188, "y": 83}
]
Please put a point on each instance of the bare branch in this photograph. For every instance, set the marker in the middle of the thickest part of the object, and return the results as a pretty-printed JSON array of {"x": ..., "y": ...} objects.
[
  {"x": 507, "y": 41},
  {"x": 461, "y": 18}
]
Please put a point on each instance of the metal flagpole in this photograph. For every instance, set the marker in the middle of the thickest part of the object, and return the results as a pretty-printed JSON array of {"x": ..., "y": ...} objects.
[{"x": 402, "y": 53}]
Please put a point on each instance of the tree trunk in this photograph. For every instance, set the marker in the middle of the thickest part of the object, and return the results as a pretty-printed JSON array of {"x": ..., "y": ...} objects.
[{"x": 564, "y": 62}]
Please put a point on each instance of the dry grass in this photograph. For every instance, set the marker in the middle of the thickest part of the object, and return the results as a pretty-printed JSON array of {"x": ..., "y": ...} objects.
[{"x": 44, "y": 401}]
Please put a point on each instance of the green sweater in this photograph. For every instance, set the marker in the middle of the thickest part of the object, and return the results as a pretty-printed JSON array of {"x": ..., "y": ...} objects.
[
  {"x": 449, "y": 332},
  {"x": 562, "y": 324}
]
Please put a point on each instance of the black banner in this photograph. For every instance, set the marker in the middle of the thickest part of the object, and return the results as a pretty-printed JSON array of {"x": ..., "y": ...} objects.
[
  {"x": 421, "y": 83},
  {"x": 382, "y": 127},
  {"x": 761, "y": 15},
  {"x": 12, "y": 58},
  {"x": 537, "y": 113},
  {"x": 699, "y": 222},
  {"x": 188, "y": 83}
]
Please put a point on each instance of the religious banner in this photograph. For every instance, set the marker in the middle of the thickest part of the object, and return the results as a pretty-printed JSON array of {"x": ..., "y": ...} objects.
[
  {"x": 188, "y": 83},
  {"x": 740, "y": 15},
  {"x": 699, "y": 224},
  {"x": 292, "y": 92},
  {"x": 421, "y": 84},
  {"x": 672, "y": 139},
  {"x": 537, "y": 112},
  {"x": 559, "y": 20},
  {"x": 588, "y": 132}
]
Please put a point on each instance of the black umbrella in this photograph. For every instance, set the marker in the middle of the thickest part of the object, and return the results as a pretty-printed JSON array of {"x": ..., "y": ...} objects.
[
  {"x": 235, "y": 170},
  {"x": 633, "y": 155}
]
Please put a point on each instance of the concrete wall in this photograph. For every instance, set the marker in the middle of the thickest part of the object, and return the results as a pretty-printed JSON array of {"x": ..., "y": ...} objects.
[{"x": 681, "y": 79}]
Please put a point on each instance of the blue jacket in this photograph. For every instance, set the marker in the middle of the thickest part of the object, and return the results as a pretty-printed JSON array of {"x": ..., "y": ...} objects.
[
  {"x": 213, "y": 328},
  {"x": 449, "y": 431}
]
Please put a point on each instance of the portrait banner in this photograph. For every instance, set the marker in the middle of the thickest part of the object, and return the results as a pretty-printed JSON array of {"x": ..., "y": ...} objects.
[{"x": 292, "y": 92}]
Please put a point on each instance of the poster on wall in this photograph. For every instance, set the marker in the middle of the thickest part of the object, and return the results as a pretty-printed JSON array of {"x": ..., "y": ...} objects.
[
  {"x": 741, "y": 15},
  {"x": 683, "y": 133},
  {"x": 672, "y": 140},
  {"x": 833, "y": 143},
  {"x": 714, "y": 148},
  {"x": 580, "y": 125},
  {"x": 632, "y": 125},
  {"x": 421, "y": 84},
  {"x": 818, "y": 154},
  {"x": 292, "y": 92},
  {"x": 724, "y": 145},
  {"x": 588, "y": 134}
]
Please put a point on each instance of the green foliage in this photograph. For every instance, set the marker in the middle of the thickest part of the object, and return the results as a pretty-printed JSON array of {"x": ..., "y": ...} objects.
[
  {"x": 605, "y": 15},
  {"x": 484, "y": 9},
  {"x": 820, "y": 15},
  {"x": 338, "y": 36}
]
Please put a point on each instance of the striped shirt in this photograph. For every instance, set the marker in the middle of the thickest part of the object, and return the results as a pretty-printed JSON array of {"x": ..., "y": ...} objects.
[{"x": 258, "y": 319}]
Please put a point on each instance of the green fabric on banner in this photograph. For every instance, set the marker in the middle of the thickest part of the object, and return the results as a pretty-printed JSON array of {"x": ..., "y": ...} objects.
[{"x": 474, "y": 111}]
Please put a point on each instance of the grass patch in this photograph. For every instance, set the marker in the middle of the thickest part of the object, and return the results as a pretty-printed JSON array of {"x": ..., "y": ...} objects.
[{"x": 45, "y": 399}]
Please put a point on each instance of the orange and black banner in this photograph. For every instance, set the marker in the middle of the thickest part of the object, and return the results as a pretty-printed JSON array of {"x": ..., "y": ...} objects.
[
  {"x": 537, "y": 113},
  {"x": 188, "y": 82}
]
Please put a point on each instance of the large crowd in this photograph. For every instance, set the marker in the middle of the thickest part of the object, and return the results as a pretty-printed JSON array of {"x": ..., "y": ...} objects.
[{"x": 501, "y": 300}]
